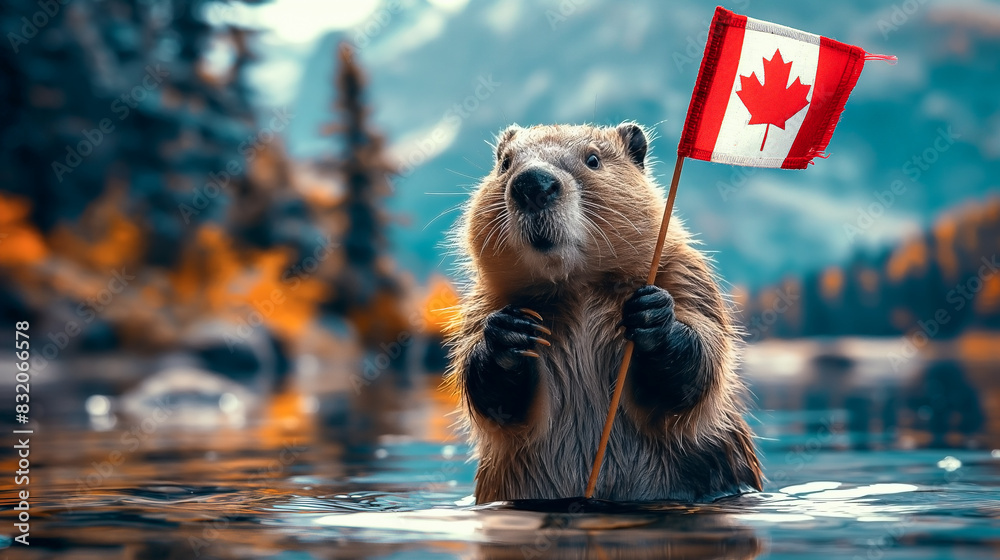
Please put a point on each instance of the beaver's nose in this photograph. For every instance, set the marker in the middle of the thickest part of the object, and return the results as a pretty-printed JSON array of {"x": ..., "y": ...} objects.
[{"x": 534, "y": 190}]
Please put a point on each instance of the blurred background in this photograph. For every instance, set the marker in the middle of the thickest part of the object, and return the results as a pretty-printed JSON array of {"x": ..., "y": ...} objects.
[{"x": 226, "y": 220}]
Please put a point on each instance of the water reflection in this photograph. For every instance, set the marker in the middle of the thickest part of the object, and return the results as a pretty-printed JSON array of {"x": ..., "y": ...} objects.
[
  {"x": 382, "y": 472},
  {"x": 947, "y": 405}
]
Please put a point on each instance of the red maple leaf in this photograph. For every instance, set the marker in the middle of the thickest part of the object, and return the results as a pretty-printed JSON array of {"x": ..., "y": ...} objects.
[{"x": 771, "y": 102}]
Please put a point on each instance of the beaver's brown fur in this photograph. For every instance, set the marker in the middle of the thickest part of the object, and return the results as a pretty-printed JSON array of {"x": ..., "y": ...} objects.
[{"x": 536, "y": 392}]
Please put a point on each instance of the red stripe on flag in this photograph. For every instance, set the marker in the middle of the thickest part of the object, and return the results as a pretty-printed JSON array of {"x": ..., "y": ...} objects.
[
  {"x": 714, "y": 86},
  {"x": 836, "y": 74}
]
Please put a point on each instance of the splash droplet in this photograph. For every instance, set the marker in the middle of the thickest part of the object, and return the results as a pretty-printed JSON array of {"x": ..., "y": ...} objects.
[{"x": 949, "y": 464}]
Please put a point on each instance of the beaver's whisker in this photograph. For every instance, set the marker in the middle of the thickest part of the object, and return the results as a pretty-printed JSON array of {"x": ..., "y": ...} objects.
[
  {"x": 447, "y": 211},
  {"x": 491, "y": 222},
  {"x": 504, "y": 235},
  {"x": 599, "y": 208},
  {"x": 591, "y": 222},
  {"x": 495, "y": 228},
  {"x": 589, "y": 211},
  {"x": 607, "y": 208},
  {"x": 473, "y": 164},
  {"x": 488, "y": 230},
  {"x": 502, "y": 227},
  {"x": 460, "y": 174},
  {"x": 593, "y": 238}
]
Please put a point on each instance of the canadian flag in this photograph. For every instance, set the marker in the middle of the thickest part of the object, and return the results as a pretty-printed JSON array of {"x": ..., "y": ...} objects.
[{"x": 768, "y": 95}]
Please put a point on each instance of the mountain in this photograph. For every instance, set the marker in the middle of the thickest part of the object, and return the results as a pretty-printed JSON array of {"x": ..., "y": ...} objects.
[
  {"x": 935, "y": 285},
  {"x": 925, "y": 130}
]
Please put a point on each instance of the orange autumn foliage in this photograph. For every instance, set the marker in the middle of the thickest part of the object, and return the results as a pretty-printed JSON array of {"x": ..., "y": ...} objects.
[
  {"x": 869, "y": 280},
  {"x": 286, "y": 415},
  {"x": 103, "y": 239},
  {"x": 988, "y": 300},
  {"x": 20, "y": 243},
  {"x": 382, "y": 321},
  {"x": 740, "y": 296},
  {"x": 944, "y": 234},
  {"x": 440, "y": 307},
  {"x": 215, "y": 279},
  {"x": 910, "y": 258},
  {"x": 832, "y": 282},
  {"x": 887, "y": 291},
  {"x": 444, "y": 401},
  {"x": 978, "y": 346},
  {"x": 78, "y": 260}
]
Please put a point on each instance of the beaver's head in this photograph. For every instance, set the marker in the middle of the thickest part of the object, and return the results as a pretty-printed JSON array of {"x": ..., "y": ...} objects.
[{"x": 564, "y": 202}]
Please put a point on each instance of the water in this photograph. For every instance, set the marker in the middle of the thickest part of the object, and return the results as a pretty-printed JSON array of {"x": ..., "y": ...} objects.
[{"x": 383, "y": 475}]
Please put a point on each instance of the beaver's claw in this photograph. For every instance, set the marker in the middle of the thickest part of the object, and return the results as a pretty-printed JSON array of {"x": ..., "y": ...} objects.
[{"x": 512, "y": 333}]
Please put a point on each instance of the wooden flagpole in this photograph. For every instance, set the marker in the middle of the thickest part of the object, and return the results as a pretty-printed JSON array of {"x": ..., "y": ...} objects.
[{"x": 629, "y": 346}]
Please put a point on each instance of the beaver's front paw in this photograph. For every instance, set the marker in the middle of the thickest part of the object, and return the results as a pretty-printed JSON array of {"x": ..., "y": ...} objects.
[
  {"x": 669, "y": 367},
  {"x": 503, "y": 370},
  {"x": 649, "y": 318},
  {"x": 512, "y": 336}
]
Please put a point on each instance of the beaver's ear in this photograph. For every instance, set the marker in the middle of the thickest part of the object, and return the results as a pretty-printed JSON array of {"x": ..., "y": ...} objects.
[
  {"x": 635, "y": 142},
  {"x": 504, "y": 137}
]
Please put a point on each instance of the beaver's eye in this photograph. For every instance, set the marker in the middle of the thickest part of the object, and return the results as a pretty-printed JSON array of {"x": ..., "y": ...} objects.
[
  {"x": 593, "y": 162},
  {"x": 504, "y": 164}
]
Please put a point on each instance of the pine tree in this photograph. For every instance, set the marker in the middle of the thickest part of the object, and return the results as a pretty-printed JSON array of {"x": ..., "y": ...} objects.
[
  {"x": 368, "y": 291},
  {"x": 125, "y": 144}
]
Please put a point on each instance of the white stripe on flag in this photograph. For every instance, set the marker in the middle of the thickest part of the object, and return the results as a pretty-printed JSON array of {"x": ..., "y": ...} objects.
[
  {"x": 740, "y": 142},
  {"x": 775, "y": 29}
]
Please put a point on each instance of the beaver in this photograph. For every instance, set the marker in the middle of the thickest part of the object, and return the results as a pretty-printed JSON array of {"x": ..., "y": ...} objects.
[{"x": 557, "y": 242}]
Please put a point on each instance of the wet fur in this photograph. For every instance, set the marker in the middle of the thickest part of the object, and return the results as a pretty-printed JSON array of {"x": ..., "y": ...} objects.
[{"x": 700, "y": 451}]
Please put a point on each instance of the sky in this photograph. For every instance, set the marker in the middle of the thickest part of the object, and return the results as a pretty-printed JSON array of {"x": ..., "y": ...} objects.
[
  {"x": 290, "y": 29},
  {"x": 608, "y": 61}
]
